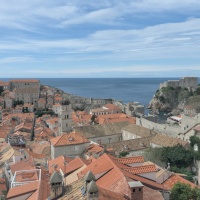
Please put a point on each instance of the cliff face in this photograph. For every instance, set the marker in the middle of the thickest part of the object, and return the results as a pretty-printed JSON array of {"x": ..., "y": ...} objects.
[{"x": 168, "y": 99}]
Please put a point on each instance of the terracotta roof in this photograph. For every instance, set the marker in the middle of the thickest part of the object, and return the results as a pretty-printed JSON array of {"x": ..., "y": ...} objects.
[
  {"x": 111, "y": 175},
  {"x": 116, "y": 117},
  {"x": 52, "y": 120},
  {"x": 74, "y": 165},
  {"x": 39, "y": 147},
  {"x": 59, "y": 161},
  {"x": 197, "y": 128},
  {"x": 130, "y": 160},
  {"x": 150, "y": 194},
  {"x": 22, "y": 165},
  {"x": 171, "y": 181},
  {"x": 142, "y": 169},
  {"x": 94, "y": 148},
  {"x": 129, "y": 145},
  {"x": 37, "y": 190},
  {"x": 24, "y": 189},
  {"x": 68, "y": 139},
  {"x": 26, "y": 176},
  {"x": 73, "y": 192},
  {"x": 112, "y": 106},
  {"x": 167, "y": 141},
  {"x": 35, "y": 155}
]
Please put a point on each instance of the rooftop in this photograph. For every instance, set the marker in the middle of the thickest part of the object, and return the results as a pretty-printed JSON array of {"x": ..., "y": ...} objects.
[
  {"x": 101, "y": 129},
  {"x": 68, "y": 139}
]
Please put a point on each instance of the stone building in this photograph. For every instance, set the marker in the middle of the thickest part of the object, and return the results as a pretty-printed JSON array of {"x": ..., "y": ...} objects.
[
  {"x": 103, "y": 133},
  {"x": 23, "y": 84},
  {"x": 71, "y": 144},
  {"x": 185, "y": 82},
  {"x": 28, "y": 95}
]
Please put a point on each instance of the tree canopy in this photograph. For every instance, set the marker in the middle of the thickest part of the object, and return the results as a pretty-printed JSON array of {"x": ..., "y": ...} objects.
[{"x": 182, "y": 191}]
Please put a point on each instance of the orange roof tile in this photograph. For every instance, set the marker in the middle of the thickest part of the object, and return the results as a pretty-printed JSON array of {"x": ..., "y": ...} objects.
[
  {"x": 22, "y": 165},
  {"x": 112, "y": 106},
  {"x": 94, "y": 148},
  {"x": 141, "y": 169},
  {"x": 68, "y": 139},
  {"x": 129, "y": 160},
  {"x": 74, "y": 165},
  {"x": 38, "y": 190},
  {"x": 58, "y": 161},
  {"x": 172, "y": 180},
  {"x": 23, "y": 189},
  {"x": 111, "y": 175}
]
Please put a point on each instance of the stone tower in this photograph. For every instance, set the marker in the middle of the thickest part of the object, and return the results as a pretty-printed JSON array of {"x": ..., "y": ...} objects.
[
  {"x": 65, "y": 119},
  {"x": 56, "y": 186}
]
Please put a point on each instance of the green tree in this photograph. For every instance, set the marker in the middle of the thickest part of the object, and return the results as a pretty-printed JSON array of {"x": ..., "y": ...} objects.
[
  {"x": 194, "y": 140},
  {"x": 198, "y": 91},
  {"x": 177, "y": 156},
  {"x": 182, "y": 191},
  {"x": 123, "y": 154},
  {"x": 93, "y": 118},
  {"x": 18, "y": 102}
]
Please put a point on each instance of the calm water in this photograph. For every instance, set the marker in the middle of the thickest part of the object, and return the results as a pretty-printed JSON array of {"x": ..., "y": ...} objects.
[{"x": 125, "y": 89}]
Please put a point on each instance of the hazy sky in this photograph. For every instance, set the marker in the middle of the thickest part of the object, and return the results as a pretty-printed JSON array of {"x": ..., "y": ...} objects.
[{"x": 99, "y": 38}]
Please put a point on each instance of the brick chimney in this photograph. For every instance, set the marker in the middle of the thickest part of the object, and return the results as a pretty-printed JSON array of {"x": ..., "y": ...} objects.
[{"x": 136, "y": 188}]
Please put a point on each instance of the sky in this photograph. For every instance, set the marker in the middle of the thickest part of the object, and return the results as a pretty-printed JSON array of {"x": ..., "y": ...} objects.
[{"x": 93, "y": 39}]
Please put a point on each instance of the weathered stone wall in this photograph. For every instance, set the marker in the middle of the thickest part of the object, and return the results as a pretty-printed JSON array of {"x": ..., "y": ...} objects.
[
  {"x": 171, "y": 130},
  {"x": 185, "y": 82},
  {"x": 107, "y": 139},
  {"x": 68, "y": 150}
]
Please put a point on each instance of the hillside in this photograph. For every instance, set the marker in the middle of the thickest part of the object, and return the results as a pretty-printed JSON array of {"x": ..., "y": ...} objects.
[{"x": 170, "y": 99}]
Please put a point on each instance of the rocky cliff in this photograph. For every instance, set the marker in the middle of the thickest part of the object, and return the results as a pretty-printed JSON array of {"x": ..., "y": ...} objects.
[{"x": 170, "y": 99}]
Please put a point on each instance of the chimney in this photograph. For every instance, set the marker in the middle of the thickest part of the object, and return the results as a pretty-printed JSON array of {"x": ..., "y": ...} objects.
[
  {"x": 136, "y": 188},
  {"x": 88, "y": 178},
  {"x": 92, "y": 191}
]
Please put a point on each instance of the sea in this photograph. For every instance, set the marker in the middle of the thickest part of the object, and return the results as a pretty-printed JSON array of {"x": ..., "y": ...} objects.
[{"x": 124, "y": 89}]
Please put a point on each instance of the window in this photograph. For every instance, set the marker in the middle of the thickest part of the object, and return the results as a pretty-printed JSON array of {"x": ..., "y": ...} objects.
[
  {"x": 133, "y": 190},
  {"x": 76, "y": 148},
  {"x": 140, "y": 189}
]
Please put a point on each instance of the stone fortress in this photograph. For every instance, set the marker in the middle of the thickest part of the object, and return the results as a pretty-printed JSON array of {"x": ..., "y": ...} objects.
[{"x": 186, "y": 82}]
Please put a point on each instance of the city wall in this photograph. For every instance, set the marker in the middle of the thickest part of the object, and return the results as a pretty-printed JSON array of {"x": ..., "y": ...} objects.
[{"x": 171, "y": 130}]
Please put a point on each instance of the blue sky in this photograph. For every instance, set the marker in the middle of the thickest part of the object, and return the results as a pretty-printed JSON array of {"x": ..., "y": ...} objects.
[{"x": 107, "y": 38}]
